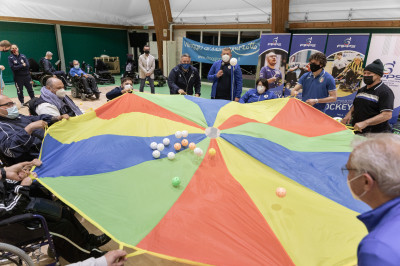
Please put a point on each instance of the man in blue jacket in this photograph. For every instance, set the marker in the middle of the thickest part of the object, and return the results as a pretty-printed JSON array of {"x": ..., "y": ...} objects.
[
  {"x": 227, "y": 79},
  {"x": 88, "y": 80},
  {"x": 373, "y": 177},
  {"x": 126, "y": 86},
  {"x": 22, "y": 77},
  {"x": 184, "y": 77}
]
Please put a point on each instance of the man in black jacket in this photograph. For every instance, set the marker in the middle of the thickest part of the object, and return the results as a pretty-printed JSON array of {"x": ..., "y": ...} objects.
[
  {"x": 21, "y": 136},
  {"x": 184, "y": 77},
  {"x": 49, "y": 69},
  {"x": 20, "y": 67}
]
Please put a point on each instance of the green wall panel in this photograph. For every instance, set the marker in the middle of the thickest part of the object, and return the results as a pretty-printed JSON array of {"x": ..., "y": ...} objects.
[
  {"x": 85, "y": 43},
  {"x": 33, "y": 40}
]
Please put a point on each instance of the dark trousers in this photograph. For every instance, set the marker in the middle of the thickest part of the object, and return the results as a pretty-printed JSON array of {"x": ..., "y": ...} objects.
[
  {"x": 336, "y": 71},
  {"x": 143, "y": 81},
  {"x": 351, "y": 77},
  {"x": 90, "y": 84},
  {"x": 62, "y": 76},
  {"x": 222, "y": 97},
  {"x": 20, "y": 82}
]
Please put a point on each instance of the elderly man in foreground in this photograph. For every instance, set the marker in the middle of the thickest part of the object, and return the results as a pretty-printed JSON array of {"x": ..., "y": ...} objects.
[{"x": 374, "y": 178}]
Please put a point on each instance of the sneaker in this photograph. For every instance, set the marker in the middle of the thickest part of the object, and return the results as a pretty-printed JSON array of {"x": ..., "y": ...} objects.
[
  {"x": 96, "y": 253},
  {"x": 98, "y": 241}
]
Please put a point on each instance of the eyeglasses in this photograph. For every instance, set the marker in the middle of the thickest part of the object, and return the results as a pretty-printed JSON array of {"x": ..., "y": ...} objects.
[
  {"x": 345, "y": 170},
  {"x": 9, "y": 104}
]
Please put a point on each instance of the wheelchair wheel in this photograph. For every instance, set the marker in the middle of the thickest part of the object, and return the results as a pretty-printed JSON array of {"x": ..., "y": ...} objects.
[
  {"x": 43, "y": 79},
  {"x": 74, "y": 92},
  {"x": 10, "y": 254},
  {"x": 97, "y": 95},
  {"x": 83, "y": 97}
]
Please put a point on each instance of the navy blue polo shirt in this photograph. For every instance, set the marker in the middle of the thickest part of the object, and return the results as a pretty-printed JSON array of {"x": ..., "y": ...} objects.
[{"x": 317, "y": 87}]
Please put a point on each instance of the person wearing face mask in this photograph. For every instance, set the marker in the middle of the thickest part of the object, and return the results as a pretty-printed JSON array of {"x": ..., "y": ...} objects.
[
  {"x": 126, "y": 86},
  {"x": 5, "y": 47},
  {"x": 184, "y": 77},
  {"x": 227, "y": 79},
  {"x": 271, "y": 72},
  {"x": 49, "y": 69},
  {"x": 54, "y": 101},
  {"x": 318, "y": 85},
  {"x": 147, "y": 64},
  {"x": 373, "y": 177},
  {"x": 20, "y": 67},
  {"x": 373, "y": 105},
  {"x": 21, "y": 136},
  {"x": 88, "y": 80},
  {"x": 260, "y": 93}
]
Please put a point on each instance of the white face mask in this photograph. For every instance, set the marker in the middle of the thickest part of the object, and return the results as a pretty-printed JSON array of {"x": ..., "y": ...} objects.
[
  {"x": 61, "y": 93},
  {"x": 357, "y": 197},
  {"x": 261, "y": 89},
  {"x": 127, "y": 87},
  {"x": 226, "y": 58}
]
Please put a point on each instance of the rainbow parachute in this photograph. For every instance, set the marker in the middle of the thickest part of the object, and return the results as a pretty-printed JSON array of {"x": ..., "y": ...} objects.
[{"x": 225, "y": 210}]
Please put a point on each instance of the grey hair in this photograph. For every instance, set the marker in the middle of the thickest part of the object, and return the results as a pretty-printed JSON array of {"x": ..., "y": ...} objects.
[
  {"x": 49, "y": 53},
  {"x": 271, "y": 54},
  {"x": 185, "y": 55},
  {"x": 73, "y": 61},
  {"x": 379, "y": 155},
  {"x": 50, "y": 82}
]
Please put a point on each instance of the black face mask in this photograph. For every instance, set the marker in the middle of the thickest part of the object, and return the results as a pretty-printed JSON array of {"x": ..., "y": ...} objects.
[
  {"x": 146, "y": 52},
  {"x": 368, "y": 80},
  {"x": 315, "y": 67}
]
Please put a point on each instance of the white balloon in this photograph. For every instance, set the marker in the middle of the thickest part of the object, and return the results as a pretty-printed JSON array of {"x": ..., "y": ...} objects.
[
  {"x": 160, "y": 146},
  {"x": 166, "y": 141},
  {"x": 171, "y": 155},
  {"x": 156, "y": 154},
  {"x": 233, "y": 61},
  {"x": 198, "y": 152},
  {"x": 178, "y": 134},
  {"x": 153, "y": 145},
  {"x": 185, "y": 133}
]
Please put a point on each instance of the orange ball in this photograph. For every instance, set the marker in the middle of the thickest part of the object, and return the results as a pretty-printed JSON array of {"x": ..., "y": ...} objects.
[
  {"x": 280, "y": 192},
  {"x": 185, "y": 142},
  {"x": 192, "y": 146},
  {"x": 177, "y": 146}
]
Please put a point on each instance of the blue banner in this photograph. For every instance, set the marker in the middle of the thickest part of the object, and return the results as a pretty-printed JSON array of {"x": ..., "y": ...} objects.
[
  {"x": 345, "y": 54},
  {"x": 275, "y": 70},
  {"x": 245, "y": 53},
  {"x": 302, "y": 47}
]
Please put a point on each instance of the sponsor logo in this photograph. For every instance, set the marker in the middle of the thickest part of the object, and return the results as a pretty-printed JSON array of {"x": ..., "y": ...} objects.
[
  {"x": 388, "y": 74},
  {"x": 308, "y": 43},
  {"x": 274, "y": 42},
  {"x": 346, "y": 44}
]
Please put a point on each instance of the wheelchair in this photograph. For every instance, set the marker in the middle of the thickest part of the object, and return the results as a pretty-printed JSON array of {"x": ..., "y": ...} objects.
[
  {"x": 39, "y": 78},
  {"x": 159, "y": 79},
  {"x": 25, "y": 234},
  {"x": 78, "y": 89},
  {"x": 131, "y": 69},
  {"x": 101, "y": 73}
]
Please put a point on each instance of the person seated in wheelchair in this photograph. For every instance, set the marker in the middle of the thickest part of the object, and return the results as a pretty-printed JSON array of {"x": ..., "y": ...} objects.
[
  {"x": 126, "y": 86},
  {"x": 53, "y": 101},
  {"x": 48, "y": 68},
  {"x": 88, "y": 81},
  {"x": 18, "y": 196},
  {"x": 351, "y": 75}
]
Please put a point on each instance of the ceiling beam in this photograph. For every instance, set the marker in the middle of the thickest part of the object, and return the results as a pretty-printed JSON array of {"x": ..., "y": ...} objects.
[
  {"x": 280, "y": 16},
  {"x": 62, "y": 22},
  {"x": 345, "y": 24},
  {"x": 161, "y": 11},
  {"x": 223, "y": 26}
]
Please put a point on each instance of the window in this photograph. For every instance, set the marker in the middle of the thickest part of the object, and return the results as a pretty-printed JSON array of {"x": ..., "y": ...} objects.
[
  {"x": 247, "y": 36},
  {"x": 210, "y": 37},
  {"x": 193, "y": 35},
  {"x": 229, "y": 38}
]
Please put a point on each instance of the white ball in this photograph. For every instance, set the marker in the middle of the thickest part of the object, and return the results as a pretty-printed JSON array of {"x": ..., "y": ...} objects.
[
  {"x": 166, "y": 141},
  {"x": 153, "y": 145},
  {"x": 185, "y": 133},
  {"x": 160, "y": 146},
  {"x": 156, "y": 154},
  {"x": 171, "y": 155},
  {"x": 178, "y": 134},
  {"x": 338, "y": 118},
  {"x": 198, "y": 152},
  {"x": 233, "y": 61}
]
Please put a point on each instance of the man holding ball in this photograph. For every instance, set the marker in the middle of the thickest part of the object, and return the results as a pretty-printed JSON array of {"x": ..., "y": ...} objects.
[{"x": 226, "y": 76}]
